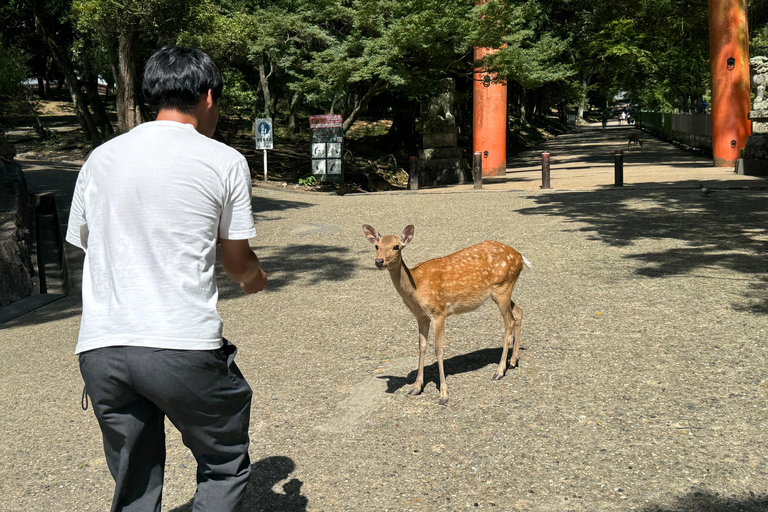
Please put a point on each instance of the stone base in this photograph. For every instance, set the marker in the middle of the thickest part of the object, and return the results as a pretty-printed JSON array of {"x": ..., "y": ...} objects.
[
  {"x": 442, "y": 171},
  {"x": 756, "y": 147},
  {"x": 752, "y": 167}
]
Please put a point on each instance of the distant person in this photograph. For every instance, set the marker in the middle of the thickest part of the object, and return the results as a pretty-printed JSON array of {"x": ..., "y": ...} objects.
[
  {"x": 149, "y": 207},
  {"x": 604, "y": 120},
  {"x": 622, "y": 117}
]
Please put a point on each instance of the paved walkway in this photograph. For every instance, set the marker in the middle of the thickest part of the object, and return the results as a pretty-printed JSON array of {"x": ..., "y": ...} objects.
[
  {"x": 641, "y": 386},
  {"x": 584, "y": 159}
]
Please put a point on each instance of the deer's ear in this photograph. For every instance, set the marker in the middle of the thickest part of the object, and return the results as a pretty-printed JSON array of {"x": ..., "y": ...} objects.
[
  {"x": 371, "y": 233},
  {"x": 407, "y": 235}
]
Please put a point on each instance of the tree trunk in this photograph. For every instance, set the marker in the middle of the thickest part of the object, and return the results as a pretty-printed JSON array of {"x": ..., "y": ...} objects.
[
  {"x": 360, "y": 105},
  {"x": 583, "y": 99},
  {"x": 291, "y": 129},
  {"x": 402, "y": 133},
  {"x": 128, "y": 114},
  {"x": 60, "y": 55},
  {"x": 269, "y": 101},
  {"x": 90, "y": 81},
  {"x": 523, "y": 107}
]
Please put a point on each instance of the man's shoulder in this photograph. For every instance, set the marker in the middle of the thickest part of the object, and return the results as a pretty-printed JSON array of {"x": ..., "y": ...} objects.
[{"x": 170, "y": 135}]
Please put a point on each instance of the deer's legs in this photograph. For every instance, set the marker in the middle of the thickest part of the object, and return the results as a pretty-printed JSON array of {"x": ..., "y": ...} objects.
[
  {"x": 517, "y": 314},
  {"x": 439, "y": 343},
  {"x": 513, "y": 317},
  {"x": 423, "y": 336}
]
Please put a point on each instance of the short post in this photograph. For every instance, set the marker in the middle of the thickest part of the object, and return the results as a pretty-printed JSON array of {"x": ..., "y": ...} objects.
[
  {"x": 545, "y": 170},
  {"x": 413, "y": 175},
  {"x": 618, "y": 169},
  {"x": 477, "y": 169}
]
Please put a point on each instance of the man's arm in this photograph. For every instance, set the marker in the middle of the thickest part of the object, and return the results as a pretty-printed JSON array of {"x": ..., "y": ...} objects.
[{"x": 242, "y": 266}]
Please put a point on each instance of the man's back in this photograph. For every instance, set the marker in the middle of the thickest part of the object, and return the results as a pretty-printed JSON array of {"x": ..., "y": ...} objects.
[{"x": 152, "y": 201}]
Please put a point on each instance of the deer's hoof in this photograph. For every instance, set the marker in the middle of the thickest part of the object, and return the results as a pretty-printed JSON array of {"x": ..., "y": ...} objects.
[
  {"x": 497, "y": 376},
  {"x": 443, "y": 401},
  {"x": 414, "y": 392}
]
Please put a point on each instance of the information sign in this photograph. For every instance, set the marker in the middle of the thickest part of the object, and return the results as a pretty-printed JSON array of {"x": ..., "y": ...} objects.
[
  {"x": 327, "y": 147},
  {"x": 262, "y": 128}
]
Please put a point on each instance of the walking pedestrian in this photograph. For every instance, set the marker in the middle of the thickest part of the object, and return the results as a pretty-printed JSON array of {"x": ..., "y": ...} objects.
[{"x": 149, "y": 209}]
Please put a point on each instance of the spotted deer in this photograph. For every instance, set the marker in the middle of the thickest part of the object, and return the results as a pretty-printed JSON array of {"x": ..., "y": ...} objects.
[{"x": 457, "y": 283}]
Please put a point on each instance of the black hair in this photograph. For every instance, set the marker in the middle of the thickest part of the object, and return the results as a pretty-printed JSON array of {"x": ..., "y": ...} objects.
[{"x": 175, "y": 78}]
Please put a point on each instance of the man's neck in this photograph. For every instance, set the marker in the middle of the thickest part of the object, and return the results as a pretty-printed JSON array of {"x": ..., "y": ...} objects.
[{"x": 179, "y": 117}]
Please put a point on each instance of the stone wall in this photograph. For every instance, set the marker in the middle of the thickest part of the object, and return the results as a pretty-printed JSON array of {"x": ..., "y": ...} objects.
[{"x": 16, "y": 246}]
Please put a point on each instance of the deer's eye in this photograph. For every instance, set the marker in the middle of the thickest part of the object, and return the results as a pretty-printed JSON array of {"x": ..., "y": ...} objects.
[
  {"x": 377, "y": 247},
  {"x": 396, "y": 248}
]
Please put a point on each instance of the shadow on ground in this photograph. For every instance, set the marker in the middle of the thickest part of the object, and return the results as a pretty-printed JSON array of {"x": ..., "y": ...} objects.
[
  {"x": 260, "y": 495},
  {"x": 721, "y": 230},
  {"x": 307, "y": 264},
  {"x": 706, "y": 501},
  {"x": 591, "y": 146},
  {"x": 464, "y": 363}
]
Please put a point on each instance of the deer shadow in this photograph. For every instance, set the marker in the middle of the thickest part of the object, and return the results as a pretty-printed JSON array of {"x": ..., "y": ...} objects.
[{"x": 463, "y": 363}]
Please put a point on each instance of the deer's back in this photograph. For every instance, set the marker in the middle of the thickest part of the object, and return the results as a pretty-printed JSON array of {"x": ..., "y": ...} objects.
[{"x": 462, "y": 281}]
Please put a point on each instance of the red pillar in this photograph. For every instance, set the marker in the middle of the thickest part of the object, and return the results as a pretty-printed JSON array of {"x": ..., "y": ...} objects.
[
  {"x": 489, "y": 120},
  {"x": 729, "y": 62}
]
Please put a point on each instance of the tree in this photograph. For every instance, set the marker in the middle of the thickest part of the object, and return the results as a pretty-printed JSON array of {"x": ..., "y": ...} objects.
[{"x": 120, "y": 28}]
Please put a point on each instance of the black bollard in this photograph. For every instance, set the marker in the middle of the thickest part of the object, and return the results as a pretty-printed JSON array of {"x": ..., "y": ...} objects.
[
  {"x": 618, "y": 169},
  {"x": 477, "y": 169},
  {"x": 413, "y": 175},
  {"x": 545, "y": 170}
]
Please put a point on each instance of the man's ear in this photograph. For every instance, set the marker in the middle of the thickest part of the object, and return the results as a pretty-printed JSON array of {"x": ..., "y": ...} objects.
[{"x": 209, "y": 101}]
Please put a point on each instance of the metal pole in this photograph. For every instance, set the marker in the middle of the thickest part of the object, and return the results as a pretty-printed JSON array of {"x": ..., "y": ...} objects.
[
  {"x": 545, "y": 170},
  {"x": 618, "y": 158},
  {"x": 477, "y": 169},
  {"x": 413, "y": 176},
  {"x": 265, "y": 164}
]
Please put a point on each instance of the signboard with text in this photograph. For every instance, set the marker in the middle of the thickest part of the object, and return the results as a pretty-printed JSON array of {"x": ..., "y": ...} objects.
[
  {"x": 262, "y": 129},
  {"x": 327, "y": 147}
]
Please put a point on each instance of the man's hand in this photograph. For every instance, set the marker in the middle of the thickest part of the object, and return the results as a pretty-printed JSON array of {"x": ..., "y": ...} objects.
[
  {"x": 242, "y": 266},
  {"x": 256, "y": 284}
]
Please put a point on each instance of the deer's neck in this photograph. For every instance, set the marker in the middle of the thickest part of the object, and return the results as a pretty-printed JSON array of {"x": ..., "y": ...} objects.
[{"x": 404, "y": 283}]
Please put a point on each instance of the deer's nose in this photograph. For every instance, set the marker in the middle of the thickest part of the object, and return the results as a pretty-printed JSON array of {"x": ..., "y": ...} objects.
[{"x": 380, "y": 263}]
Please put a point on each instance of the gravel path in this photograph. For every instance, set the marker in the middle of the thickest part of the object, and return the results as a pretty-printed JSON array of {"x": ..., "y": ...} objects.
[{"x": 642, "y": 382}]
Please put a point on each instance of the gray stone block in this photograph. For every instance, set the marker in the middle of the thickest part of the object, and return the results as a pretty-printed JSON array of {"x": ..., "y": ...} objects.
[
  {"x": 437, "y": 153},
  {"x": 752, "y": 167},
  {"x": 440, "y": 140},
  {"x": 15, "y": 240}
]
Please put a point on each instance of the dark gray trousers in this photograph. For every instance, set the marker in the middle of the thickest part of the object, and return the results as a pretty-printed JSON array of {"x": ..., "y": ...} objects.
[{"x": 201, "y": 392}]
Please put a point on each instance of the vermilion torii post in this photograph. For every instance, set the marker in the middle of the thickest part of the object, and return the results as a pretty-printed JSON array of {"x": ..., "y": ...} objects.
[
  {"x": 729, "y": 63},
  {"x": 489, "y": 119}
]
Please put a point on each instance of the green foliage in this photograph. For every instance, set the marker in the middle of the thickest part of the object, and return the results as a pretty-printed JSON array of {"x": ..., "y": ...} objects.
[
  {"x": 307, "y": 181},
  {"x": 14, "y": 70}
]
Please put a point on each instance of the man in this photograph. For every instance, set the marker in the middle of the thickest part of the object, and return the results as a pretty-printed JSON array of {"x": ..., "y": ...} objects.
[{"x": 148, "y": 209}]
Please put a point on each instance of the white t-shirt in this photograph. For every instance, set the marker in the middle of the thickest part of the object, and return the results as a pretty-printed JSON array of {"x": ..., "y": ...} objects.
[{"x": 147, "y": 208}]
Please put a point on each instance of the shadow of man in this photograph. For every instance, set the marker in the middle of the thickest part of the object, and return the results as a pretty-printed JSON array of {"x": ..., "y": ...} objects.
[{"x": 260, "y": 496}]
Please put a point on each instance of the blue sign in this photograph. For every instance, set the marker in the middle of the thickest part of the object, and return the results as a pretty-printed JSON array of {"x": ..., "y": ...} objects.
[{"x": 263, "y": 133}]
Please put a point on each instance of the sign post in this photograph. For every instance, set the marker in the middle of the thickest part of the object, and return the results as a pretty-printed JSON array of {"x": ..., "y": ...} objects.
[
  {"x": 327, "y": 147},
  {"x": 262, "y": 129}
]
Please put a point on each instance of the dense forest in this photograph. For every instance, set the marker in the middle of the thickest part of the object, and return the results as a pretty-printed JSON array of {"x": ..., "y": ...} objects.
[{"x": 288, "y": 59}]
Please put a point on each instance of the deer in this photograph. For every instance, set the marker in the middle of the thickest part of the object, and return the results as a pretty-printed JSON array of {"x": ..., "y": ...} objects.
[
  {"x": 458, "y": 283},
  {"x": 634, "y": 138}
]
